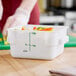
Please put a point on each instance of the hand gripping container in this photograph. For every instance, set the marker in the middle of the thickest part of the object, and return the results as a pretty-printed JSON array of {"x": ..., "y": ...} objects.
[{"x": 37, "y": 44}]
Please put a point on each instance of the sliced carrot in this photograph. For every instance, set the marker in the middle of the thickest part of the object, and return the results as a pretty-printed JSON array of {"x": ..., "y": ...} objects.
[
  {"x": 34, "y": 28},
  {"x": 23, "y": 28},
  {"x": 48, "y": 29}
]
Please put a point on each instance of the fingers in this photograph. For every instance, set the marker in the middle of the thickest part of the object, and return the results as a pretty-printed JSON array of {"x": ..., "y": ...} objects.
[{"x": 7, "y": 25}]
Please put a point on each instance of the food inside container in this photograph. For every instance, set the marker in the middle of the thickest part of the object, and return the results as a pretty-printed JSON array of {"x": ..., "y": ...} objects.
[
  {"x": 39, "y": 28},
  {"x": 43, "y": 29}
]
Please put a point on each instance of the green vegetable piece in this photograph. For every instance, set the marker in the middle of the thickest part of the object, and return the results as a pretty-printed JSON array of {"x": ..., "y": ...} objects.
[{"x": 40, "y": 28}]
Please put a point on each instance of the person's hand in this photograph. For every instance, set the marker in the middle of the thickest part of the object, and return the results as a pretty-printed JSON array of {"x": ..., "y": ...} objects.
[
  {"x": 1, "y": 9},
  {"x": 19, "y": 18}
]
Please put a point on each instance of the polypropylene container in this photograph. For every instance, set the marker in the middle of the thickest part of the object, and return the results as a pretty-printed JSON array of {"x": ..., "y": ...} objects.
[{"x": 37, "y": 44}]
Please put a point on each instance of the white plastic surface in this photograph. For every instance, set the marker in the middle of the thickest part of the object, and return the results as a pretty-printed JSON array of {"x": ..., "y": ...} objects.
[
  {"x": 70, "y": 15},
  {"x": 37, "y": 44}
]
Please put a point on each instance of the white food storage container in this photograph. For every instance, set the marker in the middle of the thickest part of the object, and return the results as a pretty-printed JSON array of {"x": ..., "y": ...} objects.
[{"x": 37, "y": 44}]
